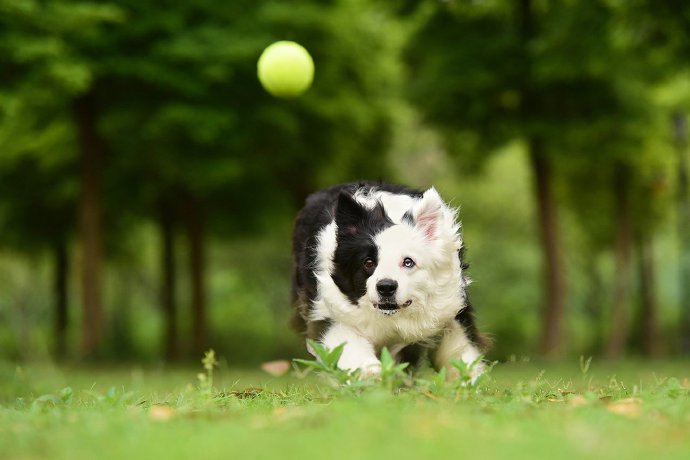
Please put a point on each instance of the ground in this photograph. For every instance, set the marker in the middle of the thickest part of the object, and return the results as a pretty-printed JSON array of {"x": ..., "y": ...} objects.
[{"x": 523, "y": 410}]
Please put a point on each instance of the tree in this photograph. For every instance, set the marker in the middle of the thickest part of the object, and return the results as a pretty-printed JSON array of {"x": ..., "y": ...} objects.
[
  {"x": 210, "y": 151},
  {"x": 660, "y": 30},
  {"x": 42, "y": 74},
  {"x": 542, "y": 75},
  {"x": 680, "y": 134},
  {"x": 37, "y": 220},
  {"x": 165, "y": 120}
]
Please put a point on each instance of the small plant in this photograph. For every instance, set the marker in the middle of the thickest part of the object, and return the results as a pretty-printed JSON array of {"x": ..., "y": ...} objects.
[
  {"x": 584, "y": 364},
  {"x": 326, "y": 362},
  {"x": 111, "y": 398},
  {"x": 470, "y": 374},
  {"x": 392, "y": 373},
  {"x": 584, "y": 368},
  {"x": 466, "y": 377},
  {"x": 206, "y": 378},
  {"x": 436, "y": 386},
  {"x": 63, "y": 398}
]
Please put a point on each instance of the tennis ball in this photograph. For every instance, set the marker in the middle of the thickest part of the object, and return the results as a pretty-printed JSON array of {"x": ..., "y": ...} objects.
[{"x": 285, "y": 69}]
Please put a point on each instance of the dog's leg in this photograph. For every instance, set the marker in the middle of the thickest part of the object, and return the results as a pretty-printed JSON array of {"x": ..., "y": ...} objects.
[
  {"x": 455, "y": 344},
  {"x": 358, "y": 352}
]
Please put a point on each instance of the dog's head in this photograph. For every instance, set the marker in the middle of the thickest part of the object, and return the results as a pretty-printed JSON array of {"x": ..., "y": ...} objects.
[{"x": 391, "y": 261}]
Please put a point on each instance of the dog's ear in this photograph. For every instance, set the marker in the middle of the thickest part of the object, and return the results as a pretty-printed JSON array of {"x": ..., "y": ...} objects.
[
  {"x": 348, "y": 214},
  {"x": 427, "y": 214}
]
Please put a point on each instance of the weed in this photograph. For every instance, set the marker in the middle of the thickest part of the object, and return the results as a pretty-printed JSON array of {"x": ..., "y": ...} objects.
[
  {"x": 206, "y": 378},
  {"x": 393, "y": 375}
]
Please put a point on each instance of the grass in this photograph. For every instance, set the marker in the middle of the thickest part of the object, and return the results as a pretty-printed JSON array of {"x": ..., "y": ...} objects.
[{"x": 522, "y": 410}]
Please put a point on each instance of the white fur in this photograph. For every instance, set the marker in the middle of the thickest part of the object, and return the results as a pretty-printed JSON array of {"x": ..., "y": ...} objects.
[
  {"x": 433, "y": 285},
  {"x": 359, "y": 352},
  {"x": 455, "y": 345},
  {"x": 395, "y": 205}
]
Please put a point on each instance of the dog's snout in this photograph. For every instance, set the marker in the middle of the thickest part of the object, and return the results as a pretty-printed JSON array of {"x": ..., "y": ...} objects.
[{"x": 386, "y": 287}]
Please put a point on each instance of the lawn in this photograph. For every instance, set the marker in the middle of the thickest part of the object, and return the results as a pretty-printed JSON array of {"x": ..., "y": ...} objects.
[{"x": 522, "y": 410}]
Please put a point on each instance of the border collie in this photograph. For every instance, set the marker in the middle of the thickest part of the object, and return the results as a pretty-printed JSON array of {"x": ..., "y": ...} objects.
[{"x": 380, "y": 265}]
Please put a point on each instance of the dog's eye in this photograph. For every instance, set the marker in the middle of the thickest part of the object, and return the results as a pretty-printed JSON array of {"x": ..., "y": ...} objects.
[
  {"x": 369, "y": 263},
  {"x": 408, "y": 263}
]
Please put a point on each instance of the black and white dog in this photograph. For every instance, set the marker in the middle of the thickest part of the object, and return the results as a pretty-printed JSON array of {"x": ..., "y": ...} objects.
[{"x": 380, "y": 265}]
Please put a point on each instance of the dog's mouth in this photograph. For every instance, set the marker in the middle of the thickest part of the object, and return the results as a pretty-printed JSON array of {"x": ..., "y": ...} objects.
[{"x": 389, "y": 307}]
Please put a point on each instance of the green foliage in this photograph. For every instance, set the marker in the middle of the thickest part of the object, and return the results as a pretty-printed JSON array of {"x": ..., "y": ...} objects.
[
  {"x": 392, "y": 376},
  {"x": 64, "y": 400},
  {"x": 567, "y": 76},
  {"x": 211, "y": 132},
  {"x": 206, "y": 378},
  {"x": 584, "y": 364},
  {"x": 392, "y": 373},
  {"x": 326, "y": 362}
]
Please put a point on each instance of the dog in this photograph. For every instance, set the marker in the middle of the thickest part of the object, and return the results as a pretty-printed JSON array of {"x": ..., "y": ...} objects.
[{"x": 377, "y": 264}]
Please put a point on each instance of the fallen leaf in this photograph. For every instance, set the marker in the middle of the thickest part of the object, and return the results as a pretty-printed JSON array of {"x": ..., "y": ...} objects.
[
  {"x": 161, "y": 413},
  {"x": 630, "y": 407},
  {"x": 276, "y": 368},
  {"x": 686, "y": 383}
]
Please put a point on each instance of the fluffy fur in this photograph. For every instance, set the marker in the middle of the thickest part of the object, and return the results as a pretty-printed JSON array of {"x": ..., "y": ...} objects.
[{"x": 381, "y": 265}]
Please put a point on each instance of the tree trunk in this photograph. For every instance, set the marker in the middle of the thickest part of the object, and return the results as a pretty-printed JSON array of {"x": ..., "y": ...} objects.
[
  {"x": 195, "y": 238},
  {"x": 551, "y": 341},
  {"x": 552, "y": 335},
  {"x": 60, "y": 292},
  {"x": 681, "y": 137},
  {"x": 594, "y": 303},
  {"x": 168, "y": 284},
  {"x": 620, "y": 317},
  {"x": 90, "y": 234},
  {"x": 649, "y": 321},
  {"x": 119, "y": 339}
]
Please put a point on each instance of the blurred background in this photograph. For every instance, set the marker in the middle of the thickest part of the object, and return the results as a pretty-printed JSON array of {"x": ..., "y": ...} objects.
[{"x": 148, "y": 184}]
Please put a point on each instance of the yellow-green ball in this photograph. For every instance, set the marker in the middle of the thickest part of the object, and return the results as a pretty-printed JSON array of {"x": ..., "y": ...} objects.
[{"x": 285, "y": 69}]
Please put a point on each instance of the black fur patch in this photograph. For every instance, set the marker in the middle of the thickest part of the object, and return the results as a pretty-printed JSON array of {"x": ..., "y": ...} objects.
[
  {"x": 357, "y": 227},
  {"x": 407, "y": 218},
  {"x": 466, "y": 316},
  {"x": 461, "y": 255},
  {"x": 466, "y": 319}
]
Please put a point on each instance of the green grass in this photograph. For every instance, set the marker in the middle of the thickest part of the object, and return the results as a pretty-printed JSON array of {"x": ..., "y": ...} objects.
[{"x": 523, "y": 410}]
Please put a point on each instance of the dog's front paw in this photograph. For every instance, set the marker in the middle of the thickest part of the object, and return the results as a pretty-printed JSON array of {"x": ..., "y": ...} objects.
[
  {"x": 368, "y": 367},
  {"x": 370, "y": 370}
]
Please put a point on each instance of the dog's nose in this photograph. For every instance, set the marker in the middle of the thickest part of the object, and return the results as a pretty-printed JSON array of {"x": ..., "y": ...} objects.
[{"x": 386, "y": 287}]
